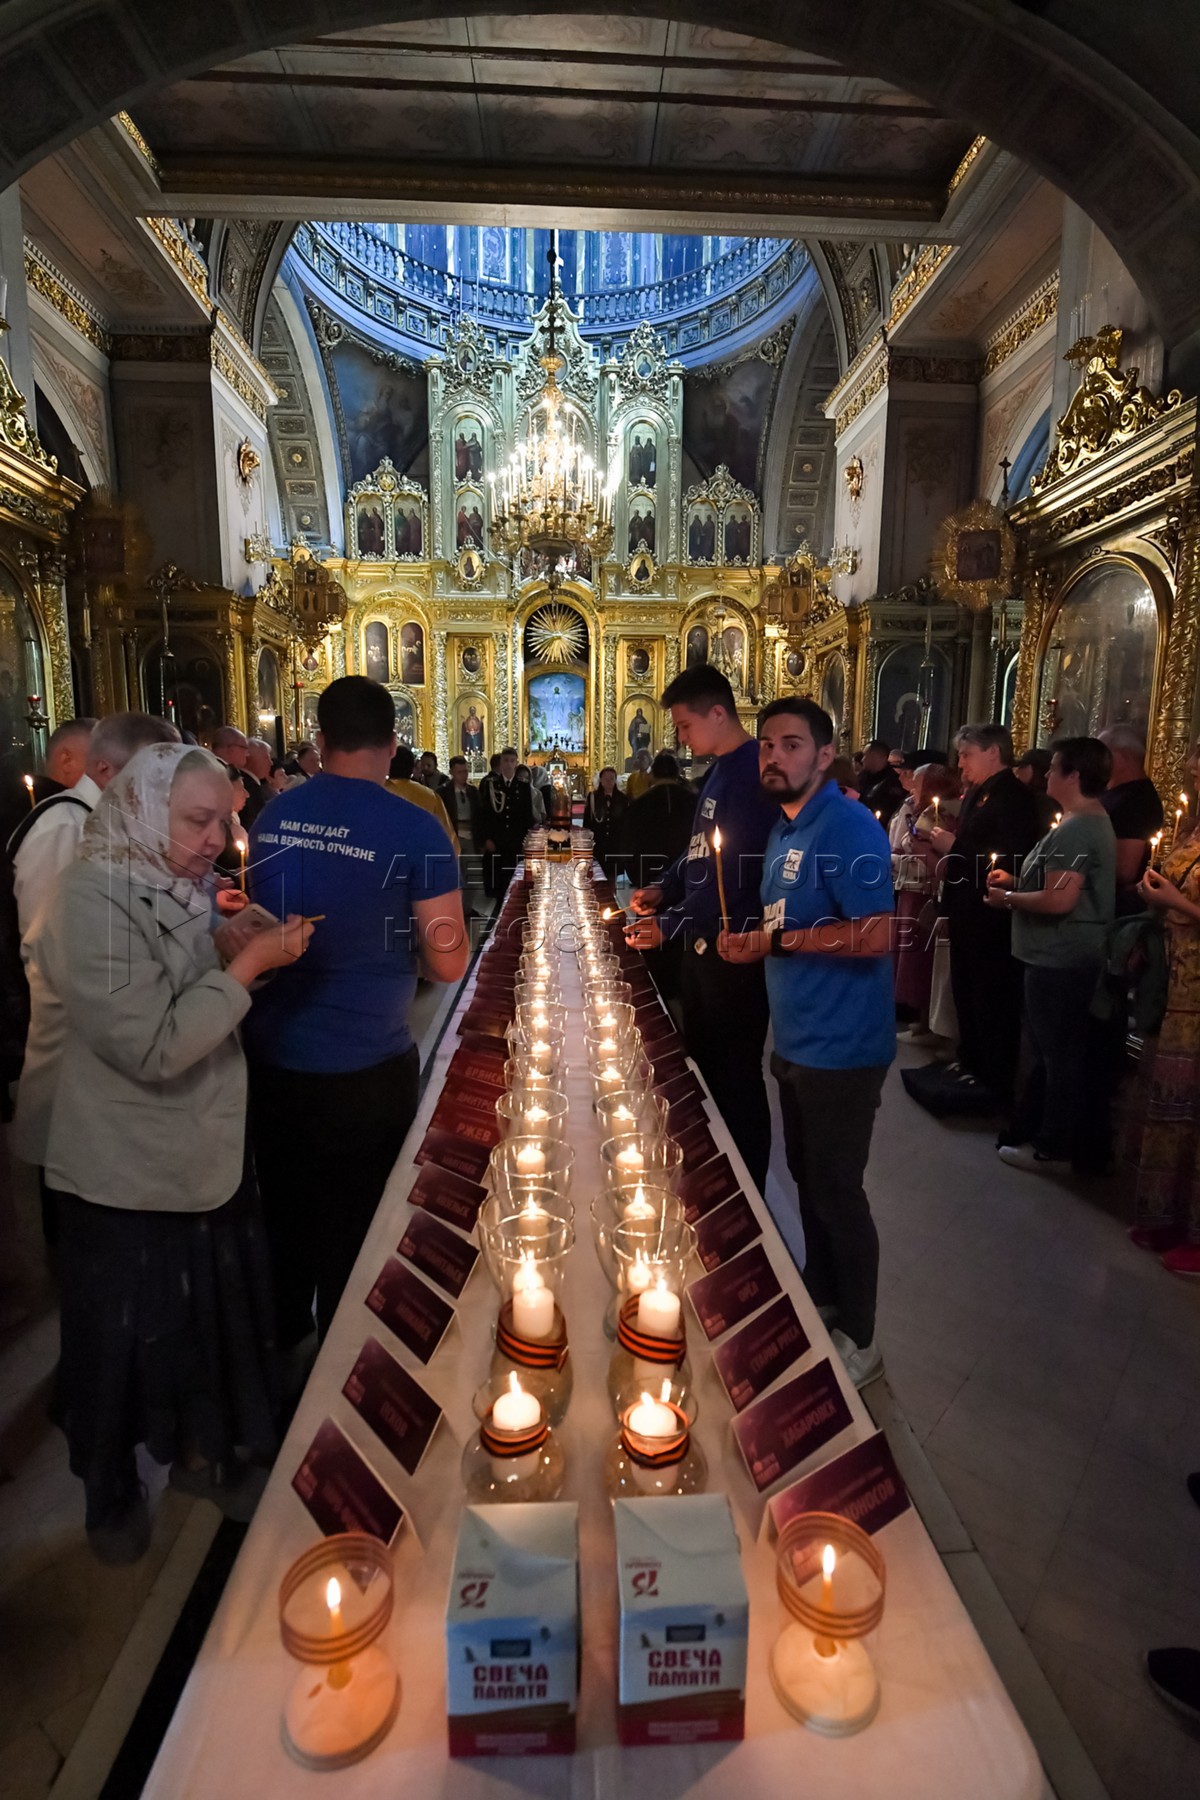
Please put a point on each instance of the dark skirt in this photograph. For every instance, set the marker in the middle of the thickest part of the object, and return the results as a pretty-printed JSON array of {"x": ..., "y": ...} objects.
[{"x": 167, "y": 1339}]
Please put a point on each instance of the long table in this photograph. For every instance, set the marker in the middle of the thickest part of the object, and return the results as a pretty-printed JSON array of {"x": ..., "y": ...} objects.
[{"x": 945, "y": 1726}]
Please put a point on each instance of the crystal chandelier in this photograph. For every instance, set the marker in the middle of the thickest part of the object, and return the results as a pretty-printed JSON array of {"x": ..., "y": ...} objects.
[{"x": 550, "y": 497}]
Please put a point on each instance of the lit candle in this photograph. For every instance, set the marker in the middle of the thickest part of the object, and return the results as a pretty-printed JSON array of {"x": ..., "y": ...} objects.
[
  {"x": 607, "y": 1046},
  {"x": 826, "y": 1646},
  {"x": 536, "y": 1115},
  {"x": 242, "y": 847},
  {"x": 516, "y": 1410},
  {"x": 639, "y": 1275},
  {"x": 716, "y": 840},
  {"x": 623, "y": 1115},
  {"x": 631, "y": 1158},
  {"x": 937, "y": 812},
  {"x": 535, "y": 1220},
  {"x": 532, "y": 1305},
  {"x": 339, "y": 1672},
  {"x": 658, "y": 1311},
  {"x": 28, "y": 779},
  {"x": 610, "y": 1076},
  {"x": 531, "y": 1160},
  {"x": 653, "y": 1418}
]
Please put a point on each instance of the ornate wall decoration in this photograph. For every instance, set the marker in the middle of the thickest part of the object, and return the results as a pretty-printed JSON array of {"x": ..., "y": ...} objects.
[
  {"x": 974, "y": 556},
  {"x": 88, "y": 403},
  {"x": 65, "y": 298},
  {"x": 722, "y": 522},
  {"x": 1030, "y": 316},
  {"x": 642, "y": 368},
  {"x": 1108, "y": 408},
  {"x": 387, "y": 518},
  {"x": 248, "y": 460}
]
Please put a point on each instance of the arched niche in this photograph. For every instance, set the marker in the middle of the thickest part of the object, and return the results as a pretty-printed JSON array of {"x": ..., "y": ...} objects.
[
  {"x": 1100, "y": 654},
  {"x": 912, "y": 697}
]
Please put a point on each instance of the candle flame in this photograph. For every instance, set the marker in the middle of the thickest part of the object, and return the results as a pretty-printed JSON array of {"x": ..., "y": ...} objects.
[
  {"x": 514, "y": 1383},
  {"x": 666, "y": 1390},
  {"x": 242, "y": 847},
  {"x": 28, "y": 780},
  {"x": 717, "y": 839},
  {"x": 333, "y": 1593},
  {"x": 646, "y": 1400},
  {"x": 639, "y": 1198},
  {"x": 607, "y": 913},
  {"x": 828, "y": 1561}
]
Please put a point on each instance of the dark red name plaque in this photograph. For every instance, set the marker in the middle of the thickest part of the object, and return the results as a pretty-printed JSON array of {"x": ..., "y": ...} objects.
[
  {"x": 397, "y": 1408},
  {"x": 779, "y": 1432},
  {"x": 342, "y": 1491}
]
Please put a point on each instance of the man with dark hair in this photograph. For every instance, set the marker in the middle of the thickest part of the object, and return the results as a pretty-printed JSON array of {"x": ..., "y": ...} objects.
[
  {"x": 997, "y": 827},
  {"x": 402, "y": 780},
  {"x": 826, "y": 940},
  {"x": 1132, "y": 802},
  {"x": 724, "y": 1006},
  {"x": 432, "y": 776},
  {"x": 879, "y": 783},
  {"x": 333, "y": 1067},
  {"x": 506, "y": 805}
]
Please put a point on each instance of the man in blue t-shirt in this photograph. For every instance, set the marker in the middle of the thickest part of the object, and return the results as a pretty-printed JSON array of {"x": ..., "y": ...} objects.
[
  {"x": 826, "y": 936},
  {"x": 724, "y": 1008},
  {"x": 333, "y": 1067}
]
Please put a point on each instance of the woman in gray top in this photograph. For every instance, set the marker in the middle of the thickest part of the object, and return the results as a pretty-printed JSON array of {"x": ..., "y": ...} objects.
[
  {"x": 1062, "y": 902},
  {"x": 165, "y": 1295}
]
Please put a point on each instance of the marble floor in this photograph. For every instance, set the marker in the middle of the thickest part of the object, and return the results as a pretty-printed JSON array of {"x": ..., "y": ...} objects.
[{"x": 1043, "y": 1381}]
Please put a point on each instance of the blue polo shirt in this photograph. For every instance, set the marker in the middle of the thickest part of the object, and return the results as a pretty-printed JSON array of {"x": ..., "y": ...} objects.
[
  {"x": 830, "y": 862},
  {"x": 733, "y": 800},
  {"x": 348, "y": 849}
]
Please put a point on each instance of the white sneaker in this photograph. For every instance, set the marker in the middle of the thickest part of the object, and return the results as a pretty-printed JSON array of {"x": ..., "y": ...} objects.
[
  {"x": 827, "y": 1314},
  {"x": 916, "y": 1034},
  {"x": 861, "y": 1365},
  {"x": 1024, "y": 1156}
]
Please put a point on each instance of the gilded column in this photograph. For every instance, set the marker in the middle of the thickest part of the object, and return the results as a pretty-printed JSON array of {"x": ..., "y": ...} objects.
[
  {"x": 51, "y": 575},
  {"x": 441, "y": 724},
  {"x": 337, "y": 653},
  {"x": 1038, "y": 588},
  {"x": 231, "y": 685},
  {"x": 253, "y": 646},
  {"x": 133, "y": 686},
  {"x": 1172, "y": 730}
]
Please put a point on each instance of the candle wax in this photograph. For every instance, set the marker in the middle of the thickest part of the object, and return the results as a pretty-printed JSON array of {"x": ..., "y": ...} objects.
[
  {"x": 650, "y": 1418},
  {"x": 516, "y": 1410},
  {"x": 658, "y": 1312},
  {"x": 533, "y": 1311},
  {"x": 531, "y": 1160},
  {"x": 639, "y": 1275},
  {"x": 631, "y": 1157}
]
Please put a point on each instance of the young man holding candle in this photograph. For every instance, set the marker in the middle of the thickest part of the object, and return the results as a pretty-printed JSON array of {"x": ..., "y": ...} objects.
[
  {"x": 724, "y": 1005},
  {"x": 826, "y": 939}
]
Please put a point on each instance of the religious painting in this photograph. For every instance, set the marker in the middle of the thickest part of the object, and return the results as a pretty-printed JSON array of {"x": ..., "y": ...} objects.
[
  {"x": 724, "y": 416},
  {"x": 471, "y": 717},
  {"x": 468, "y": 450},
  {"x": 195, "y": 692},
  {"x": 539, "y": 565},
  {"x": 557, "y": 715},
  {"x": 733, "y": 648},
  {"x": 270, "y": 687},
  {"x": 1099, "y": 664},
  {"x": 470, "y": 661},
  {"x": 977, "y": 556},
  {"x": 407, "y": 522},
  {"x": 639, "y": 663},
  {"x": 406, "y": 724},
  {"x": 911, "y": 698},
  {"x": 641, "y": 526},
  {"x": 412, "y": 654},
  {"x": 376, "y": 656},
  {"x": 643, "y": 457},
  {"x": 468, "y": 519},
  {"x": 737, "y": 534},
  {"x": 369, "y": 528},
  {"x": 639, "y": 728},
  {"x": 696, "y": 648},
  {"x": 384, "y": 411},
  {"x": 793, "y": 665},
  {"x": 309, "y": 723},
  {"x": 702, "y": 533},
  {"x": 833, "y": 691}
]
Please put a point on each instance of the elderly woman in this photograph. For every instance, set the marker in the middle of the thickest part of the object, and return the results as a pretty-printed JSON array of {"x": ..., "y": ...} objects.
[{"x": 165, "y": 1290}]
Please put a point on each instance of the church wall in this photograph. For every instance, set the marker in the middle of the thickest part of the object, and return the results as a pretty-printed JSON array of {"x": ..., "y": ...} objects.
[
  {"x": 931, "y": 452},
  {"x": 1097, "y": 290},
  {"x": 75, "y": 376},
  {"x": 1010, "y": 402},
  {"x": 166, "y": 461},
  {"x": 242, "y": 504}
]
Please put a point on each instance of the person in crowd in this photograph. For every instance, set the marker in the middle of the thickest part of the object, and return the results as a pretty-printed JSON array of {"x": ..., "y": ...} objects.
[
  {"x": 879, "y": 784},
  {"x": 304, "y": 763},
  {"x": 997, "y": 827},
  {"x": 637, "y": 782},
  {"x": 1033, "y": 769},
  {"x": 655, "y": 832},
  {"x": 1132, "y": 803},
  {"x": 278, "y": 779},
  {"x": 507, "y": 808},
  {"x": 1163, "y": 1143},
  {"x": 334, "y": 1070},
  {"x": 842, "y": 770},
  {"x": 66, "y": 757},
  {"x": 603, "y": 813},
  {"x": 724, "y": 1004},
  {"x": 494, "y": 763},
  {"x": 915, "y": 878},
  {"x": 825, "y": 940},
  {"x": 233, "y": 748},
  {"x": 259, "y": 759},
  {"x": 537, "y": 798},
  {"x": 402, "y": 781},
  {"x": 1062, "y": 905},
  {"x": 432, "y": 776},
  {"x": 166, "y": 1329},
  {"x": 465, "y": 808}
]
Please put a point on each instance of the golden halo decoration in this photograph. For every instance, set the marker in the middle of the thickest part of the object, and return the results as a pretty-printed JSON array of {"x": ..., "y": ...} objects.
[{"x": 556, "y": 634}]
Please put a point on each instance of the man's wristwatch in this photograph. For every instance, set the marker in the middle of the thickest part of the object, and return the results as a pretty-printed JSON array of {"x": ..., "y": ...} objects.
[{"x": 777, "y": 936}]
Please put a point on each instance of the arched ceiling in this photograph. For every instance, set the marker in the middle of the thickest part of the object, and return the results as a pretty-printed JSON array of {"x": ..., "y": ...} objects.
[{"x": 1110, "y": 116}]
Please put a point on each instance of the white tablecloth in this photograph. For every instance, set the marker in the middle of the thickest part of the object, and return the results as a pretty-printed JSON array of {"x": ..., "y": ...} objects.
[{"x": 945, "y": 1727}]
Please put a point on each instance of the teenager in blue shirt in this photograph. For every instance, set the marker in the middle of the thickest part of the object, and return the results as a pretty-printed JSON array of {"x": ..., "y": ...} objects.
[
  {"x": 826, "y": 941},
  {"x": 333, "y": 1067},
  {"x": 724, "y": 1007}
]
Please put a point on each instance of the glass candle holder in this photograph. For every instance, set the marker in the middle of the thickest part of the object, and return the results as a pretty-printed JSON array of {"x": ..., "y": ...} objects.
[
  {"x": 542, "y": 1018},
  {"x": 631, "y": 1112},
  {"x": 654, "y": 1451},
  {"x": 520, "y": 1079},
  {"x": 596, "y": 992},
  {"x": 658, "y": 1163},
  {"x": 533, "y": 1224},
  {"x": 514, "y": 1456},
  {"x": 651, "y": 1260},
  {"x": 641, "y": 1214},
  {"x": 541, "y": 1051},
  {"x": 832, "y": 1580},
  {"x": 604, "y": 1047},
  {"x": 519, "y": 1163},
  {"x": 334, "y": 1602},
  {"x": 534, "y": 1115},
  {"x": 607, "y": 1018}
]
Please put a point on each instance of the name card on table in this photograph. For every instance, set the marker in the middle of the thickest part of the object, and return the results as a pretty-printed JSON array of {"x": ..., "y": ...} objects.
[
  {"x": 480, "y": 1040},
  {"x": 439, "y": 1253},
  {"x": 641, "y": 982},
  {"x": 656, "y": 1026},
  {"x": 397, "y": 1408},
  {"x": 698, "y": 1145},
  {"x": 682, "y": 1087},
  {"x": 684, "y": 1114},
  {"x": 463, "y": 1104},
  {"x": 722, "y": 1233},
  {"x": 734, "y": 1291},
  {"x": 667, "y": 1064},
  {"x": 777, "y": 1433},
  {"x": 411, "y": 1310},
  {"x": 761, "y": 1352},
  {"x": 863, "y": 1484},
  {"x": 484, "y": 1021},
  {"x": 482, "y": 1068},
  {"x": 464, "y": 1151},
  {"x": 342, "y": 1491},
  {"x": 447, "y": 1196},
  {"x": 707, "y": 1187}
]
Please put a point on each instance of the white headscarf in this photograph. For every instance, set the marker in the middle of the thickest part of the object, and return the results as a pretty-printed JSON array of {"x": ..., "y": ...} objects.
[{"x": 130, "y": 829}]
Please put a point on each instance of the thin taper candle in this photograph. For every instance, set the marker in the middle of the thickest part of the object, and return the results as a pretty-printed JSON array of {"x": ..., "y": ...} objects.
[{"x": 716, "y": 840}]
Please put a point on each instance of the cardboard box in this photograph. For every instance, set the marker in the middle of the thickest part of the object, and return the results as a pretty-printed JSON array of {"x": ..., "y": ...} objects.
[
  {"x": 685, "y": 1616},
  {"x": 512, "y": 1631}
]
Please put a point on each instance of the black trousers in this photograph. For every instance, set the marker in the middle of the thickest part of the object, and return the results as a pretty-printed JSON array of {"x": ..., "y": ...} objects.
[
  {"x": 986, "y": 980},
  {"x": 498, "y": 868},
  {"x": 828, "y": 1115},
  {"x": 324, "y": 1146},
  {"x": 1058, "y": 1103},
  {"x": 725, "y": 1018}
]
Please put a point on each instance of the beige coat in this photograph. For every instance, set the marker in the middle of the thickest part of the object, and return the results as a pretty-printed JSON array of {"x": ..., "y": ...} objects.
[{"x": 150, "y": 1112}]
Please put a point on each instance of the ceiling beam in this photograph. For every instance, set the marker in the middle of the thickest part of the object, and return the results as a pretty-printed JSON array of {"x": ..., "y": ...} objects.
[{"x": 614, "y": 59}]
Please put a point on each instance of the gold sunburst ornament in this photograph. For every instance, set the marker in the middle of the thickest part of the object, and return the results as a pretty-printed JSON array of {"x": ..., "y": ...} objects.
[{"x": 556, "y": 635}]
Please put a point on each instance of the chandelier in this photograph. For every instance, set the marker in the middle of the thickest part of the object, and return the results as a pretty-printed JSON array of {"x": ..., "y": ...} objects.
[{"x": 550, "y": 497}]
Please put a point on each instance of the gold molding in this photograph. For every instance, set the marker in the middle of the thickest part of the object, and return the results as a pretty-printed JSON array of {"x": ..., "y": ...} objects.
[
  {"x": 911, "y": 286},
  {"x": 180, "y": 252},
  {"x": 970, "y": 157},
  {"x": 1034, "y": 312},
  {"x": 848, "y": 395},
  {"x": 139, "y": 143},
  {"x": 903, "y": 366},
  {"x": 1107, "y": 409},
  {"x": 45, "y": 280},
  {"x": 230, "y": 367}
]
